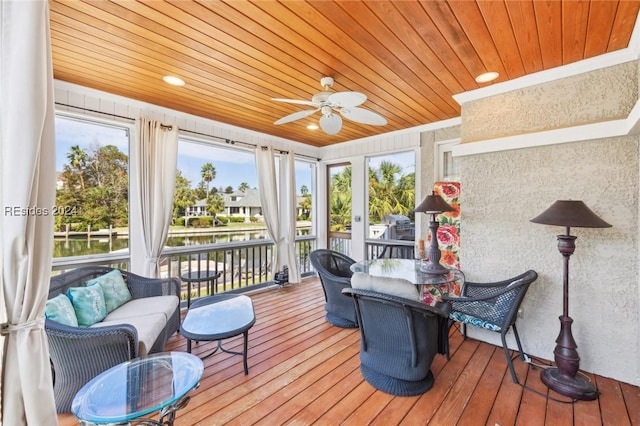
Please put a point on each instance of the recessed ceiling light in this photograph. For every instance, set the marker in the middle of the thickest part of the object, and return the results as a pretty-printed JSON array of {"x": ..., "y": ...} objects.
[
  {"x": 487, "y": 77},
  {"x": 174, "y": 81},
  {"x": 312, "y": 127}
]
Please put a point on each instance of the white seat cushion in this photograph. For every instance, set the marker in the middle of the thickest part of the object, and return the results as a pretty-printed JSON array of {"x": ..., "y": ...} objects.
[
  {"x": 145, "y": 306},
  {"x": 393, "y": 286},
  {"x": 148, "y": 326}
]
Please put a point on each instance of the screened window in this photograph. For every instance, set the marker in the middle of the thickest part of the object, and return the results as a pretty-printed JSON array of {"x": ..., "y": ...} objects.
[
  {"x": 305, "y": 183},
  {"x": 92, "y": 187},
  {"x": 391, "y": 186}
]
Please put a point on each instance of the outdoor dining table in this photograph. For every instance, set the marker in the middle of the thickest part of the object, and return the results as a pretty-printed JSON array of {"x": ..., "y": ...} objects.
[
  {"x": 410, "y": 270},
  {"x": 428, "y": 284}
]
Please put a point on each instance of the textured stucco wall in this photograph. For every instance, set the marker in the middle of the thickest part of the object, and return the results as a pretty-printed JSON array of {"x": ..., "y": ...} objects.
[
  {"x": 503, "y": 191},
  {"x": 587, "y": 98}
]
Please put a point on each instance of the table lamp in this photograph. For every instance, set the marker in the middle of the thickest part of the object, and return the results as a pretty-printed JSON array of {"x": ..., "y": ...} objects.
[
  {"x": 564, "y": 378},
  {"x": 433, "y": 204}
]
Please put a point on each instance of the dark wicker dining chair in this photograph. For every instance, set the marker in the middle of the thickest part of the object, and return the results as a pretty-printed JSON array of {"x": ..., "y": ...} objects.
[
  {"x": 398, "y": 334},
  {"x": 333, "y": 270},
  {"x": 492, "y": 306}
]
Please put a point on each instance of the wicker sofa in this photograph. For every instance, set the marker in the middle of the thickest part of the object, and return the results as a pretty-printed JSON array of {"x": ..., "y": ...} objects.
[{"x": 140, "y": 326}]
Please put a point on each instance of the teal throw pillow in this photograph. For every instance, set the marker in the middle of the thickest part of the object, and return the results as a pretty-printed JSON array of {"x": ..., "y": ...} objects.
[
  {"x": 116, "y": 292},
  {"x": 88, "y": 303},
  {"x": 60, "y": 309}
]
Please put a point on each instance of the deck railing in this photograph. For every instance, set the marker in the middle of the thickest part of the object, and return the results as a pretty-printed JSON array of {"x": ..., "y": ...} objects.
[
  {"x": 380, "y": 248},
  {"x": 243, "y": 265}
]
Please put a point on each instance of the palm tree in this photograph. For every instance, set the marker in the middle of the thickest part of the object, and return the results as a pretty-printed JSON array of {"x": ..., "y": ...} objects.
[
  {"x": 304, "y": 190},
  {"x": 78, "y": 160},
  {"x": 388, "y": 195},
  {"x": 208, "y": 173},
  {"x": 243, "y": 187},
  {"x": 215, "y": 205}
]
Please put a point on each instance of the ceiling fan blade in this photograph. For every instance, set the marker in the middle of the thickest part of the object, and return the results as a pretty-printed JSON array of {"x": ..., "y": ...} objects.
[
  {"x": 294, "y": 101},
  {"x": 363, "y": 116},
  {"x": 331, "y": 123},
  {"x": 295, "y": 116},
  {"x": 347, "y": 99}
]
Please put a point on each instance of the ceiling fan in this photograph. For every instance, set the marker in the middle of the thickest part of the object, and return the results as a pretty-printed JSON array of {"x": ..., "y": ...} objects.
[{"x": 346, "y": 103}]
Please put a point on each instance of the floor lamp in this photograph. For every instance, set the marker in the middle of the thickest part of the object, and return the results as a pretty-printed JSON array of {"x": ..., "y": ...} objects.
[
  {"x": 434, "y": 204},
  {"x": 564, "y": 378}
]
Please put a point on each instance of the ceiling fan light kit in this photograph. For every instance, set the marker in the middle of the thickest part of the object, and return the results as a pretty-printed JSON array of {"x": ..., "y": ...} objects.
[{"x": 328, "y": 103}]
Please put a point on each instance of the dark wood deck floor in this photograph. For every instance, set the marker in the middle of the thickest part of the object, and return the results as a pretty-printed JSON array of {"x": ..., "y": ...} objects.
[{"x": 305, "y": 371}]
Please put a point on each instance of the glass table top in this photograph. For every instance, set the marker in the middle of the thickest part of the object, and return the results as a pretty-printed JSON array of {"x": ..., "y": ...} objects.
[
  {"x": 217, "y": 316},
  {"x": 138, "y": 387},
  {"x": 408, "y": 269}
]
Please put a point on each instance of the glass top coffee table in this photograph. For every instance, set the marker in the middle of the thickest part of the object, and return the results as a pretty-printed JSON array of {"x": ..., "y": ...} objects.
[
  {"x": 129, "y": 391},
  {"x": 219, "y": 317}
]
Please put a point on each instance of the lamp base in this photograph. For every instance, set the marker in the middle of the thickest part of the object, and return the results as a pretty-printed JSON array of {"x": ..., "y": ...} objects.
[
  {"x": 576, "y": 387},
  {"x": 433, "y": 268}
]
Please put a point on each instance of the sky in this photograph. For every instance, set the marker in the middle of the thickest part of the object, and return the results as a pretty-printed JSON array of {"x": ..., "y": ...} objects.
[{"x": 233, "y": 166}]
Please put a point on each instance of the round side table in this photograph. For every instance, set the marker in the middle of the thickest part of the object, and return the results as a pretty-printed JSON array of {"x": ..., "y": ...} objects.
[{"x": 208, "y": 277}]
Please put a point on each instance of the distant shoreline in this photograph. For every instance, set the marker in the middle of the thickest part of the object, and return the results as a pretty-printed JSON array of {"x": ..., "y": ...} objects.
[{"x": 173, "y": 231}]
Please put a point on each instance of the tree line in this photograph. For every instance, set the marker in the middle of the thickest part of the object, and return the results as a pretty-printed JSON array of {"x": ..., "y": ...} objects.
[
  {"x": 95, "y": 183},
  {"x": 390, "y": 192}
]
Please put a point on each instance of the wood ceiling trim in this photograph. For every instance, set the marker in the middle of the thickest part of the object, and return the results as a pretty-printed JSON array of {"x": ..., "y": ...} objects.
[
  {"x": 387, "y": 46},
  {"x": 150, "y": 65},
  {"x": 373, "y": 70},
  {"x": 601, "y": 17},
  {"x": 474, "y": 27},
  {"x": 548, "y": 18},
  {"x": 526, "y": 34},
  {"x": 497, "y": 17},
  {"x": 434, "y": 49},
  {"x": 623, "y": 25},
  {"x": 388, "y": 106},
  {"x": 574, "y": 16},
  {"x": 408, "y": 57}
]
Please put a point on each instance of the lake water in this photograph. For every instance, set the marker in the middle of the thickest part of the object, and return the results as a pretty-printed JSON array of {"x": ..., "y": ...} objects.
[{"x": 81, "y": 246}]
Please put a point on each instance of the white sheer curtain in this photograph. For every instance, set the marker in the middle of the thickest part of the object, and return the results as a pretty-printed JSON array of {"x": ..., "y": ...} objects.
[
  {"x": 268, "y": 186},
  {"x": 27, "y": 161},
  {"x": 288, "y": 216},
  {"x": 279, "y": 208},
  {"x": 155, "y": 154}
]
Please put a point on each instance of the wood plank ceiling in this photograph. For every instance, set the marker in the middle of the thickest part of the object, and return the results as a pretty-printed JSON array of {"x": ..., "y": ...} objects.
[{"x": 408, "y": 57}]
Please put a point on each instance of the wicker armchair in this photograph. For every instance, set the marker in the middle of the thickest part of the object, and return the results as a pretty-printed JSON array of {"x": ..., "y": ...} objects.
[
  {"x": 78, "y": 354},
  {"x": 335, "y": 275},
  {"x": 398, "y": 340},
  {"x": 492, "y": 306}
]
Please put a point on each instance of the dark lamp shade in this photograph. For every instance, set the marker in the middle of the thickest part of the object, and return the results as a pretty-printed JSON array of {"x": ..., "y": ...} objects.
[
  {"x": 433, "y": 204},
  {"x": 570, "y": 213}
]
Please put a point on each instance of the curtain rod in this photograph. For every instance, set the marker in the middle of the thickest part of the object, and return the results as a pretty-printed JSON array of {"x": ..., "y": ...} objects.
[{"x": 225, "y": 140}]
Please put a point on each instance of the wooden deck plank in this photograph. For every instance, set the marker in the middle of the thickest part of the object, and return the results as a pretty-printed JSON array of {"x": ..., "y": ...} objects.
[
  {"x": 319, "y": 406},
  {"x": 587, "y": 413},
  {"x": 426, "y": 406},
  {"x": 507, "y": 402},
  {"x": 457, "y": 398},
  {"x": 534, "y": 399},
  {"x": 267, "y": 398},
  {"x": 481, "y": 401},
  {"x": 290, "y": 405},
  {"x": 632, "y": 401},
  {"x": 304, "y": 371},
  {"x": 612, "y": 404}
]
